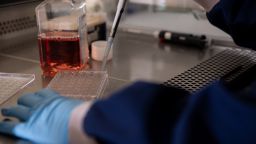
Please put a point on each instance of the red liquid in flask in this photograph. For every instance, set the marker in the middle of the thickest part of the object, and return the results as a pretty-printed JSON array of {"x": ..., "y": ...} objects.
[{"x": 60, "y": 51}]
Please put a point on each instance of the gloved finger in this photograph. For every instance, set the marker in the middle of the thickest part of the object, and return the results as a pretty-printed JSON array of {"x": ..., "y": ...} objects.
[
  {"x": 29, "y": 100},
  {"x": 20, "y": 112},
  {"x": 47, "y": 93},
  {"x": 8, "y": 127}
]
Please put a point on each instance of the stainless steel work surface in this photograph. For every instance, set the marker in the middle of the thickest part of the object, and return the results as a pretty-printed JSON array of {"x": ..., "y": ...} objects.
[{"x": 136, "y": 57}]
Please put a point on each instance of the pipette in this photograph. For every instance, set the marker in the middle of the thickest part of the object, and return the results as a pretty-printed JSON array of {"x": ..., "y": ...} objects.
[{"x": 119, "y": 12}]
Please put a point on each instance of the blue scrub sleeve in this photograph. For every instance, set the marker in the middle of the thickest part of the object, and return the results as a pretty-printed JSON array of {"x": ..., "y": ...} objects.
[
  {"x": 217, "y": 115},
  {"x": 152, "y": 114},
  {"x": 143, "y": 113},
  {"x": 237, "y": 18}
]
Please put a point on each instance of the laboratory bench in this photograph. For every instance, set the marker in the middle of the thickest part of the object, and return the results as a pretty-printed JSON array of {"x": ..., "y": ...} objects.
[
  {"x": 137, "y": 54},
  {"x": 135, "y": 57}
]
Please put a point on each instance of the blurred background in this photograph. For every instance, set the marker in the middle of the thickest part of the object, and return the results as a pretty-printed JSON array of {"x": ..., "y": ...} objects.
[
  {"x": 147, "y": 16},
  {"x": 142, "y": 16}
]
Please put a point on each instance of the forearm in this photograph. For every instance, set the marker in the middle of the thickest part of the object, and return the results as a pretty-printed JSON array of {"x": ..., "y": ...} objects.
[
  {"x": 207, "y": 4},
  {"x": 76, "y": 132}
]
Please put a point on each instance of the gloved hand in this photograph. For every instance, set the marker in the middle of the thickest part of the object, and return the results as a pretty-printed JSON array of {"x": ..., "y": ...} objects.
[{"x": 43, "y": 116}]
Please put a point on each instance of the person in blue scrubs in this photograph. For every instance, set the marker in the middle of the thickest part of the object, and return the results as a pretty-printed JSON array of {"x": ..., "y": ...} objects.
[{"x": 145, "y": 113}]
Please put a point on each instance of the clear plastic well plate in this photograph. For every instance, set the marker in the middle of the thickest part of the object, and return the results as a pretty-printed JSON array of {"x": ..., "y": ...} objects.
[
  {"x": 85, "y": 85},
  {"x": 11, "y": 83}
]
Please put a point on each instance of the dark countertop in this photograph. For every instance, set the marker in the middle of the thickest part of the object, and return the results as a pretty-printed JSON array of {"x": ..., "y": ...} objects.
[{"x": 136, "y": 57}]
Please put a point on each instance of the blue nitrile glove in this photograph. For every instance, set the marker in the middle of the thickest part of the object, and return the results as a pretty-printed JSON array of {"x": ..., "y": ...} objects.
[{"x": 44, "y": 117}]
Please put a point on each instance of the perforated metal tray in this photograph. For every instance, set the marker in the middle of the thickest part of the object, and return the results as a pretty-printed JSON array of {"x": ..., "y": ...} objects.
[{"x": 214, "y": 69}]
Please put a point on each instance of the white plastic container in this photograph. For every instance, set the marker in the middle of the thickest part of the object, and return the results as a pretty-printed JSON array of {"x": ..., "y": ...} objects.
[{"x": 98, "y": 50}]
